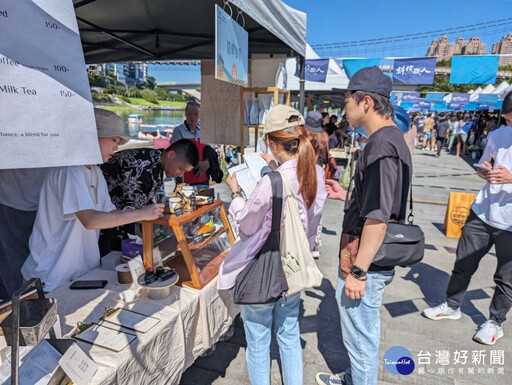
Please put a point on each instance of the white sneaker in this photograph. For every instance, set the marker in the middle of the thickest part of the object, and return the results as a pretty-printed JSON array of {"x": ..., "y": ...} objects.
[
  {"x": 441, "y": 312},
  {"x": 330, "y": 379},
  {"x": 489, "y": 333}
]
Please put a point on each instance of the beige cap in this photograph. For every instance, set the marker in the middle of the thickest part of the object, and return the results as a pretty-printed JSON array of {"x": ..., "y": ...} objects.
[
  {"x": 109, "y": 124},
  {"x": 278, "y": 116}
]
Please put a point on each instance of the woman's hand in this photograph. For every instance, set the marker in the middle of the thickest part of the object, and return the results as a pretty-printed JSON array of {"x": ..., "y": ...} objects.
[
  {"x": 152, "y": 212},
  {"x": 233, "y": 182}
]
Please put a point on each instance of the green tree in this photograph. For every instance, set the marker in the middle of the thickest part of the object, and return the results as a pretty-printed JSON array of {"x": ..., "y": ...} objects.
[
  {"x": 96, "y": 80},
  {"x": 150, "y": 82},
  {"x": 110, "y": 89},
  {"x": 162, "y": 93},
  {"x": 134, "y": 92},
  {"x": 150, "y": 96},
  {"x": 442, "y": 84}
]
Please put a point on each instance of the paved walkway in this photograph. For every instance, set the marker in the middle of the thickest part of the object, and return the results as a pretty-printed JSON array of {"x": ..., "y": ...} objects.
[{"x": 412, "y": 290}]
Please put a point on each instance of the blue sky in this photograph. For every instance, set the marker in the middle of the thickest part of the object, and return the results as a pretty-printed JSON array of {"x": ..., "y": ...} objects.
[
  {"x": 334, "y": 21},
  {"x": 331, "y": 21}
]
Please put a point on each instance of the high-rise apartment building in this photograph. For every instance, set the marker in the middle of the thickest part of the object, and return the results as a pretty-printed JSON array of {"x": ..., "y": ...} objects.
[
  {"x": 444, "y": 50},
  {"x": 504, "y": 46}
]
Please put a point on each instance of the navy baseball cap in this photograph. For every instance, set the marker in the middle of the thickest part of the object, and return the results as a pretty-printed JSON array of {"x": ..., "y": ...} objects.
[
  {"x": 314, "y": 121},
  {"x": 371, "y": 79}
]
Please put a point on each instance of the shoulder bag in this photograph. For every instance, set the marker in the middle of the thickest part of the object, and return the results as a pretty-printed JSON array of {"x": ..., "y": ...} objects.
[{"x": 263, "y": 280}]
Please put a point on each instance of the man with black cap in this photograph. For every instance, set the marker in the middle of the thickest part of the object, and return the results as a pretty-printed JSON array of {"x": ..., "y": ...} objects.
[{"x": 381, "y": 185}]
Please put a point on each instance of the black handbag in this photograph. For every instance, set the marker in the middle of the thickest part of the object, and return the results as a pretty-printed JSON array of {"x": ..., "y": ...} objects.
[
  {"x": 263, "y": 280},
  {"x": 403, "y": 245}
]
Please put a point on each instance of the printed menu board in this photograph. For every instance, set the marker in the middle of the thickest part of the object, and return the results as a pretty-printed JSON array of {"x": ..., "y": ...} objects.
[{"x": 46, "y": 110}]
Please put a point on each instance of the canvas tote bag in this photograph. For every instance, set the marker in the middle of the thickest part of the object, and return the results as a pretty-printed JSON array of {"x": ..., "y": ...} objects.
[{"x": 298, "y": 264}]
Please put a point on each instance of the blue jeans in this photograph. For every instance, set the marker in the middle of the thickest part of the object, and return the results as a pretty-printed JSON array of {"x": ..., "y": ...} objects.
[
  {"x": 258, "y": 321},
  {"x": 360, "y": 325}
]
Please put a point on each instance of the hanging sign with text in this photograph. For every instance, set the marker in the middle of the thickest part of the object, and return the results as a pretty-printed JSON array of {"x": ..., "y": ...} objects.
[
  {"x": 45, "y": 100},
  {"x": 231, "y": 49}
]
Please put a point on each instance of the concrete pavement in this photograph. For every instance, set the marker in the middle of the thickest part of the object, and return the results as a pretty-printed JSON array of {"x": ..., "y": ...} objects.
[{"x": 413, "y": 289}]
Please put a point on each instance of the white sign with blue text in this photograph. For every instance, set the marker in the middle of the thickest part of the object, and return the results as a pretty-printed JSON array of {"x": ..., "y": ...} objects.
[
  {"x": 231, "y": 49},
  {"x": 45, "y": 99}
]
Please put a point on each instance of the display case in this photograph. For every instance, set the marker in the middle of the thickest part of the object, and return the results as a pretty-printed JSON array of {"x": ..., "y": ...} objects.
[{"x": 194, "y": 243}]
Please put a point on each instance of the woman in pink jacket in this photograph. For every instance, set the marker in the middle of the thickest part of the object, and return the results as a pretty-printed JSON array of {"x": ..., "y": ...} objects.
[{"x": 287, "y": 139}]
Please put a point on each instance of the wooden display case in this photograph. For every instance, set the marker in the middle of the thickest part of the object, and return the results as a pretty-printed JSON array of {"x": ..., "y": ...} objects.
[{"x": 196, "y": 260}]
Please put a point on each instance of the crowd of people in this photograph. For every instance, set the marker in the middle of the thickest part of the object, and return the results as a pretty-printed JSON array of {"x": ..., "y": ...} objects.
[
  {"x": 459, "y": 133},
  {"x": 53, "y": 234}
]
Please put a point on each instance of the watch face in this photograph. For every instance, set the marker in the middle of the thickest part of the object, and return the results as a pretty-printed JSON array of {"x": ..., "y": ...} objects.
[{"x": 357, "y": 271}]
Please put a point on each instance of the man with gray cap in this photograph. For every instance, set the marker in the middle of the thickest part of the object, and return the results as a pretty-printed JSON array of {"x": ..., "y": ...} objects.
[
  {"x": 74, "y": 204},
  {"x": 381, "y": 185}
]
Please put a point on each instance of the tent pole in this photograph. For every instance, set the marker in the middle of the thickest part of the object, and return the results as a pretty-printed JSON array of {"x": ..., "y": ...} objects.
[{"x": 302, "y": 82}]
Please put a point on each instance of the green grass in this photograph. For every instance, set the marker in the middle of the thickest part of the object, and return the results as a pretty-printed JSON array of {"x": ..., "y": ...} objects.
[
  {"x": 143, "y": 102},
  {"x": 121, "y": 109}
]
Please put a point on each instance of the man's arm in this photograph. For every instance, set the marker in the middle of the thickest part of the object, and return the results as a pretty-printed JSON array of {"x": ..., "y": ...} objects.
[
  {"x": 92, "y": 219},
  {"x": 372, "y": 236}
]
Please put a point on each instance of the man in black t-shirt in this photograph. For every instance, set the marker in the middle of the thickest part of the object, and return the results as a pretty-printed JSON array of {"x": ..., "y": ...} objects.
[
  {"x": 443, "y": 130},
  {"x": 381, "y": 184}
]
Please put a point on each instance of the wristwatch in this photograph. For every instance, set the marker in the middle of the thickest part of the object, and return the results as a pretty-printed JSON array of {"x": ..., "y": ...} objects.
[
  {"x": 235, "y": 194},
  {"x": 358, "y": 273}
]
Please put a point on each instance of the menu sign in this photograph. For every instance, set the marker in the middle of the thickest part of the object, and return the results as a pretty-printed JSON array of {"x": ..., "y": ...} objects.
[{"x": 45, "y": 101}]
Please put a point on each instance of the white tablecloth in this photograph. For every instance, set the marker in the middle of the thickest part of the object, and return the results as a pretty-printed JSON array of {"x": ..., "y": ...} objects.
[{"x": 191, "y": 321}]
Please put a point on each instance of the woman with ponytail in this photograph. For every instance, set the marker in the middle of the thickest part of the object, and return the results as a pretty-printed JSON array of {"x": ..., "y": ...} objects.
[{"x": 286, "y": 137}]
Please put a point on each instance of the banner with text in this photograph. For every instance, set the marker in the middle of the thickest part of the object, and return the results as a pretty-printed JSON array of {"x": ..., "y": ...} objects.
[
  {"x": 231, "y": 49},
  {"x": 460, "y": 99},
  {"x": 45, "y": 99},
  {"x": 474, "y": 69},
  {"x": 316, "y": 70},
  {"x": 410, "y": 97},
  {"x": 414, "y": 70},
  {"x": 351, "y": 66}
]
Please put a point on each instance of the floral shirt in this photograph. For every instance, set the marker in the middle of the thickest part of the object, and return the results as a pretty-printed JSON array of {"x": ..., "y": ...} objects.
[{"x": 132, "y": 176}]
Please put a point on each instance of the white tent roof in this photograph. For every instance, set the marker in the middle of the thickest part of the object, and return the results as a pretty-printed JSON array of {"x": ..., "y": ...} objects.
[
  {"x": 336, "y": 77},
  {"x": 505, "y": 92},
  {"x": 285, "y": 22},
  {"x": 488, "y": 89},
  {"x": 503, "y": 86}
]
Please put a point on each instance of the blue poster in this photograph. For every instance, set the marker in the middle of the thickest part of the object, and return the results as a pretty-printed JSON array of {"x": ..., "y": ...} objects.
[
  {"x": 474, "y": 69},
  {"x": 488, "y": 99},
  {"x": 410, "y": 97},
  {"x": 414, "y": 70},
  {"x": 231, "y": 49},
  {"x": 471, "y": 106},
  {"x": 436, "y": 97},
  {"x": 351, "y": 66},
  {"x": 423, "y": 103},
  {"x": 316, "y": 70},
  {"x": 460, "y": 99}
]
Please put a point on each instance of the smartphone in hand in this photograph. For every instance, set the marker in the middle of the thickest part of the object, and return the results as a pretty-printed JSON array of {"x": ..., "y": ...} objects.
[{"x": 482, "y": 167}]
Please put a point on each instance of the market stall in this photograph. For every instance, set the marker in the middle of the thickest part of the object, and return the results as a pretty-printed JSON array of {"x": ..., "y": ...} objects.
[{"x": 190, "y": 315}]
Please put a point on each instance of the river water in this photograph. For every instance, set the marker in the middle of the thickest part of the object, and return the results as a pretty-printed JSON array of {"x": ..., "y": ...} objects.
[{"x": 153, "y": 120}]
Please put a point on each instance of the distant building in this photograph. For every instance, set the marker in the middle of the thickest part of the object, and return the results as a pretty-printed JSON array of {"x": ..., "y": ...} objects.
[
  {"x": 504, "y": 46},
  {"x": 444, "y": 50}
]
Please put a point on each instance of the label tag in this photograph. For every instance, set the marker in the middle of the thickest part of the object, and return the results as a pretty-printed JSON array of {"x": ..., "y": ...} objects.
[{"x": 78, "y": 366}]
